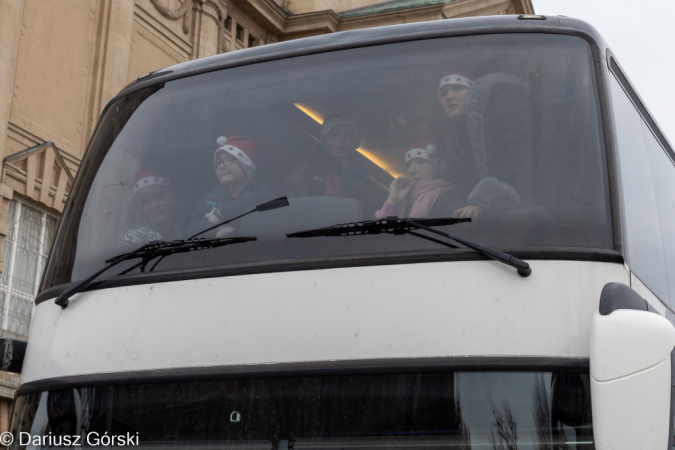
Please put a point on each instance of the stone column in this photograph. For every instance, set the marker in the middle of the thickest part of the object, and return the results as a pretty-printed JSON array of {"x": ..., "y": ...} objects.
[
  {"x": 11, "y": 15},
  {"x": 117, "y": 49},
  {"x": 207, "y": 28}
]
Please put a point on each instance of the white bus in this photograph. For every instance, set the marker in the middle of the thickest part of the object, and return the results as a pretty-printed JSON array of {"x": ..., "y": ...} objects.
[{"x": 452, "y": 234}]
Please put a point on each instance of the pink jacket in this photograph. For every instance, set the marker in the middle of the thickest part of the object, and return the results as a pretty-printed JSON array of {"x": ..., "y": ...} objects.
[{"x": 421, "y": 200}]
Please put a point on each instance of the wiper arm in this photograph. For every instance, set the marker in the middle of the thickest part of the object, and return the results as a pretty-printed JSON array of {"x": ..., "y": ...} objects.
[
  {"x": 272, "y": 204},
  {"x": 147, "y": 253},
  {"x": 396, "y": 225},
  {"x": 161, "y": 249},
  {"x": 523, "y": 268}
]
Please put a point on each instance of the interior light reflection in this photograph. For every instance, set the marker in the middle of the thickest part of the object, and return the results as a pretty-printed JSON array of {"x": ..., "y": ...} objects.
[{"x": 318, "y": 118}]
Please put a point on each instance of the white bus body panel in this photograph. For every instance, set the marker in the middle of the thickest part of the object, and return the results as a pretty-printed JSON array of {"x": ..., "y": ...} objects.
[{"x": 467, "y": 308}]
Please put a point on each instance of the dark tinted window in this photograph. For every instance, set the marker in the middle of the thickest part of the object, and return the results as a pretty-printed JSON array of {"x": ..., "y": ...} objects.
[
  {"x": 643, "y": 232},
  {"x": 663, "y": 173},
  {"x": 412, "y": 410}
]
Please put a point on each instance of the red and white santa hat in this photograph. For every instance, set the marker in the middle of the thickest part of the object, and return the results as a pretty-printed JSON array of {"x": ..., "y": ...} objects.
[
  {"x": 455, "y": 78},
  {"x": 146, "y": 178},
  {"x": 425, "y": 149},
  {"x": 244, "y": 149}
]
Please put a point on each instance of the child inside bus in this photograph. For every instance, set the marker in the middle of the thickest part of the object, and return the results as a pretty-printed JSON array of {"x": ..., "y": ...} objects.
[
  {"x": 335, "y": 171},
  {"x": 415, "y": 195},
  {"x": 234, "y": 163},
  {"x": 153, "y": 201},
  {"x": 486, "y": 131}
]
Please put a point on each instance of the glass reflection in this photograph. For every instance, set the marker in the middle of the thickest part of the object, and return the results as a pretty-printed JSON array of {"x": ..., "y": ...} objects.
[{"x": 463, "y": 410}]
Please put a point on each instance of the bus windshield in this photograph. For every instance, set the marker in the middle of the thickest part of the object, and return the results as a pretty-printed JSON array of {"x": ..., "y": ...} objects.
[
  {"x": 454, "y": 410},
  {"x": 502, "y": 129}
]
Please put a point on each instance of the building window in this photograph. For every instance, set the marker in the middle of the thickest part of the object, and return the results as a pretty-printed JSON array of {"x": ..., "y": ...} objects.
[
  {"x": 240, "y": 33},
  {"x": 228, "y": 23},
  {"x": 251, "y": 41},
  {"x": 29, "y": 238}
]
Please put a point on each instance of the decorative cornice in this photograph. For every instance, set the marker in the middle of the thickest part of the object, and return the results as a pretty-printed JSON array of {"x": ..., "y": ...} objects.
[
  {"x": 39, "y": 149},
  {"x": 273, "y": 16},
  {"x": 419, "y": 14},
  {"x": 19, "y": 175},
  {"x": 16, "y": 173},
  {"x": 33, "y": 179},
  {"x": 28, "y": 135},
  {"x": 183, "y": 11},
  {"x": 468, "y": 8},
  {"x": 321, "y": 22}
]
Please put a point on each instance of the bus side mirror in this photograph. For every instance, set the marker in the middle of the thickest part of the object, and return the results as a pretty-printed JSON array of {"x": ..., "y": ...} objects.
[
  {"x": 12, "y": 352},
  {"x": 630, "y": 372}
]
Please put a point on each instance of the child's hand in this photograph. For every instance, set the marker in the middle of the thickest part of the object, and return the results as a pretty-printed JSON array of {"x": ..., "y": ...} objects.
[
  {"x": 224, "y": 231},
  {"x": 212, "y": 216},
  {"x": 399, "y": 190},
  {"x": 467, "y": 212}
]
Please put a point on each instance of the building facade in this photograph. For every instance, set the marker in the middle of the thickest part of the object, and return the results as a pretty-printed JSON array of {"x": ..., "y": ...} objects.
[{"x": 61, "y": 61}]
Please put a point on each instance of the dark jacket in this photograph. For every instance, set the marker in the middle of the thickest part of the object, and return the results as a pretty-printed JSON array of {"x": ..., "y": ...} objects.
[
  {"x": 310, "y": 179},
  {"x": 227, "y": 207},
  {"x": 490, "y": 155}
]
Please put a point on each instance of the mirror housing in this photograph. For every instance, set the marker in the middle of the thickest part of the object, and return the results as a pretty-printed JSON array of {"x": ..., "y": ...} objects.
[{"x": 630, "y": 363}]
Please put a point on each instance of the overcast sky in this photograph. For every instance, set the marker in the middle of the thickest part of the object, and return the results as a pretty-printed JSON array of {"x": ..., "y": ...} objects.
[{"x": 642, "y": 37}]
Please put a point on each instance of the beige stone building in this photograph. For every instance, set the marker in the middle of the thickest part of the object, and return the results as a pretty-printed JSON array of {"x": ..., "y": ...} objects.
[{"x": 62, "y": 60}]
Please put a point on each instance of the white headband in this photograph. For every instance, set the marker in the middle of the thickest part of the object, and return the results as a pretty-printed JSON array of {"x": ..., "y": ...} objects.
[
  {"x": 454, "y": 78},
  {"x": 149, "y": 181},
  {"x": 428, "y": 153}
]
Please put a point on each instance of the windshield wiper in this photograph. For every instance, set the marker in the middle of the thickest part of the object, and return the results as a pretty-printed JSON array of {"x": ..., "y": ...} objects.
[
  {"x": 396, "y": 226},
  {"x": 154, "y": 249},
  {"x": 147, "y": 253}
]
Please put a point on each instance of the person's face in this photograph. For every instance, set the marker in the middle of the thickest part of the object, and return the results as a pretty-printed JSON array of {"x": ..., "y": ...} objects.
[
  {"x": 421, "y": 169},
  {"x": 341, "y": 141},
  {"x": 228, "y": 170},
  {"x": 453, "y": 100},
  {"x": 154, "y": 203}
]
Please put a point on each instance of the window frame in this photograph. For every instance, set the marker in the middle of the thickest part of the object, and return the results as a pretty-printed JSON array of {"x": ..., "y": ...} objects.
[
  {"x": 623, "y": 81},
  {"x": 93, "y": 159},
  {"x": 43, "y": 253}
]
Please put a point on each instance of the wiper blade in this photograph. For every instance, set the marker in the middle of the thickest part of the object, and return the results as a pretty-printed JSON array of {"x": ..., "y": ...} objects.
[
  {"x": 390, "y": 225},
  {"x": 156, "y": 249},
  {"x": 396, "y": 226},
  {"x": 161, "y": 249},
  {"x": 147, "y": 253}
]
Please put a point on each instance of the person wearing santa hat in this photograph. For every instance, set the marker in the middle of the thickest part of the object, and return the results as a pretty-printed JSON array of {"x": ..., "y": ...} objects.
[
  {"x": 416, "y": 195},
  {"x": 486, "y": 134},
  {"x": 234, "y": 164},
  {"x": 336, "y": 170},
  {"x": 153, "y": 200}
]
